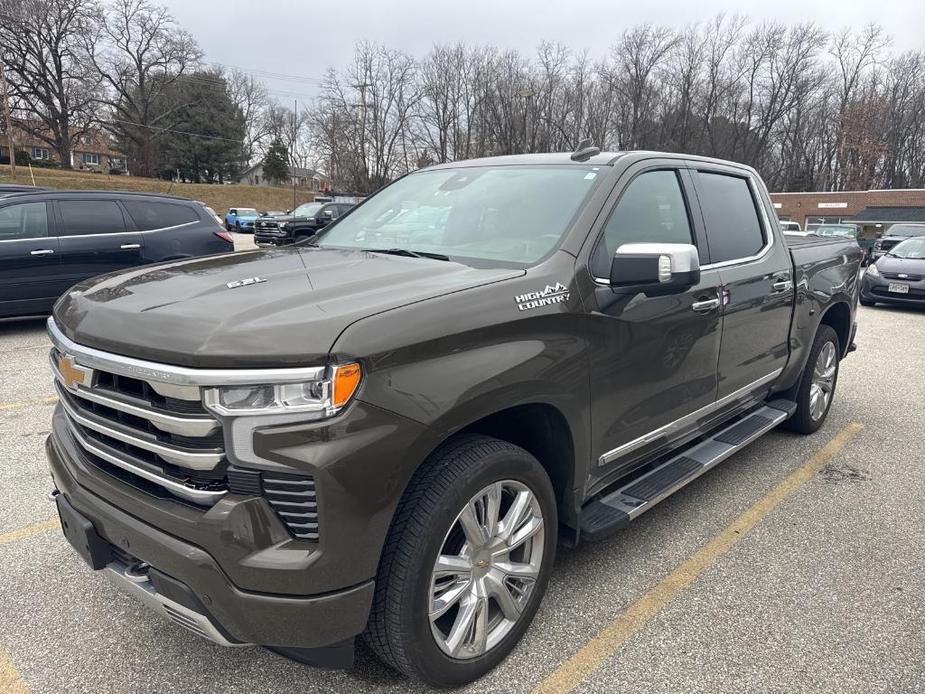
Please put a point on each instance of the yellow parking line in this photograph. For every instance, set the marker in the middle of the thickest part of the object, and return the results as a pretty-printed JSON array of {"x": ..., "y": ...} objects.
[
  {"x": 46, "y": 400},
  {"x": 26, "y": 532},
  {"x": 574, "y": 670},
  {"x": 11, "y": 681}
]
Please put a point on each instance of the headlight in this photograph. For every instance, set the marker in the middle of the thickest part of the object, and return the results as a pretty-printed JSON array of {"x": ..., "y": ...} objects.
[
  {"x": 872, "y": 270},
  {"x": 325, "y": 396}
]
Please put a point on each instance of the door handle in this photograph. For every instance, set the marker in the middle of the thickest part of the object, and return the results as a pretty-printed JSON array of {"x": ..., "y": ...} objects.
[
  {"x": 781, "y": 286},
  {"x": 706, "y": 305},
  {"x": 42, "y": 251},
  {"x": 128, "y": 246}
]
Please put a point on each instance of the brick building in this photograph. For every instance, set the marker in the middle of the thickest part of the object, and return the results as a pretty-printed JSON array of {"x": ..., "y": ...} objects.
[
  {"x": 91, "y": 150},
  {"x": 872, "y": 210}
]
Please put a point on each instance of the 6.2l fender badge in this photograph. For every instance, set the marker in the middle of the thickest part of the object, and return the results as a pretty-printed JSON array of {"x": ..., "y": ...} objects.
[
  {"x": 245, "y": 282},
  {"x": 546, "y": 297}
]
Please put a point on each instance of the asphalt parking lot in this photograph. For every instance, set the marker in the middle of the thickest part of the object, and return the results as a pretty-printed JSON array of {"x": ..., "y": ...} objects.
[{"x": 795, "y": 566}]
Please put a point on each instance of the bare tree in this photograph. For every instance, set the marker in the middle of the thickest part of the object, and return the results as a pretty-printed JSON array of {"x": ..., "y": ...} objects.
[
  {"x": 144, "y": 53},
  {"x": 252, "y": 97},
  {"x": 44, "y": 44}
]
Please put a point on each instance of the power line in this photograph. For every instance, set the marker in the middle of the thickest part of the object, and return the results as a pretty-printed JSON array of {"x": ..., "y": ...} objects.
[
  {"x": 270, "y": 74},
  {"x": 173, "y": 130}
]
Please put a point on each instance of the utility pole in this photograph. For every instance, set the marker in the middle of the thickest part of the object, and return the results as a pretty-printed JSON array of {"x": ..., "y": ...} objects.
[
  {"x": 295, "y": 135},
  {"x": 9, "y": 123},
  {"x": 528, "y": 95}
]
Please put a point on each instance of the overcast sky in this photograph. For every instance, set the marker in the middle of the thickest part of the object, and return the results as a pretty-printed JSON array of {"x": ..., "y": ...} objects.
[{"x": 303, "y": 38}]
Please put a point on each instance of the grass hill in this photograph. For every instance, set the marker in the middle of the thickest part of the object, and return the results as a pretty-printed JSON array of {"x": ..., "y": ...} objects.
[{"x": 218, "y": 197}]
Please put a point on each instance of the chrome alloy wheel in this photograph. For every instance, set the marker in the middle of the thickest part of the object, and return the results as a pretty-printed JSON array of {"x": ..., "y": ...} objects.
[
  {"x": 487, "y": 567},
  {"x": 820, "y": 391}
]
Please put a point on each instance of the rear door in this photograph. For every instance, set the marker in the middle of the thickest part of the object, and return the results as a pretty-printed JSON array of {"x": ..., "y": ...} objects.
[
  {"x": 96, "y": 238},
  {"x": 757, "y": 279},
  {"x": 170, "y": 229},
  {"x": 29, "y": 260}
]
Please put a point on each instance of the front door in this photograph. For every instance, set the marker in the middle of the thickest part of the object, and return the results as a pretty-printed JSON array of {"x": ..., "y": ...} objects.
[
  {"x": 653, "y": 359},
  {"x": 29, "y": 260}
]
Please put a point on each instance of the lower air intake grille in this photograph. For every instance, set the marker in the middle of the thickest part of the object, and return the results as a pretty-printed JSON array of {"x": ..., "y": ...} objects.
[{"x": 295, "y": 502}]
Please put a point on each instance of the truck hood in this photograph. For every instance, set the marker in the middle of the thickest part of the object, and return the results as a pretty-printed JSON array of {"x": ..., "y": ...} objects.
[{"x": 212, "y": 312}]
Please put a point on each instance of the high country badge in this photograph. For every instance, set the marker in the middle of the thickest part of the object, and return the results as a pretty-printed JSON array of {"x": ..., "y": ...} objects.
[{"x": 548, "y": 296}]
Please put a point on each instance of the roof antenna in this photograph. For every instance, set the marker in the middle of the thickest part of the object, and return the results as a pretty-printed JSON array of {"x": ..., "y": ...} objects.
[{"x": 585, "y": 150}]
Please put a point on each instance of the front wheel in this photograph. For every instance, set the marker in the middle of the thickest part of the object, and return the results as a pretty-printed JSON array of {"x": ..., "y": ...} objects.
[
  {"x": 817, "y": 385},
  {"x": 466, "y": 562}
]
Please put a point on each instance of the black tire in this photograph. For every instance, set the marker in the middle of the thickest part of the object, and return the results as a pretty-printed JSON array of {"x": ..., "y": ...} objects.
[
  {"x": 227, "y": 226},
  {"x": 803, "y": 422},
  {"x": 866, "y": 302},
  {"x": 237, "y": 227},
  {"x": 399, "y": 629}
]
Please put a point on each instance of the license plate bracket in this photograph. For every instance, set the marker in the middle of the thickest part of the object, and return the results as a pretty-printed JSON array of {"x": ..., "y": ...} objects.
[{"x": 82, "y": 536}]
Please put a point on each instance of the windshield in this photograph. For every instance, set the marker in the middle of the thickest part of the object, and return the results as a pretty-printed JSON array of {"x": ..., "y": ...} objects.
[
  {"x": 508, "y": 213},
  {"x": 247, "y": 212},
  {"x": 307, "y": 210},
  {"x": 910, "y": 248},
  {"x": 906, "y": 230}
]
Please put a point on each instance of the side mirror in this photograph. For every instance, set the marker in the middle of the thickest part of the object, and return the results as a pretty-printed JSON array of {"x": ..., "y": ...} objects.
[{"x": 654, "y": 269}]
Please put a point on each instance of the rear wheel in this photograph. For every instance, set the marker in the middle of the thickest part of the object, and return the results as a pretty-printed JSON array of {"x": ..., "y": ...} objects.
[
  {"x": 817, "y": 385},
  {"x": 466, "y": 562}
]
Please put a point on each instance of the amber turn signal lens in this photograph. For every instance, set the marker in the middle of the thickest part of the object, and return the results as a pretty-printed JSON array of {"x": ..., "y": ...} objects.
[{"x": 346, "y": 380}]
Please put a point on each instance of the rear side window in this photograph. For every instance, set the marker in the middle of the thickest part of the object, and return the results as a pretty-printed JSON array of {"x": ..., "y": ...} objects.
[
  {"x": 650, "y": 210},
  {"x": 158, "y": 215},
  {"x": 730, "y": 215},
  {"x": 23, "y": 221},
  {"x": 82, "y": 217}
]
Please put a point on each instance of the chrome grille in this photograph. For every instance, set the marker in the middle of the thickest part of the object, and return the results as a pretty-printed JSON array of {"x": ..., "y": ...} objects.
[
  {"x": 146, "y": 424},
  {"x": 152, "y": 430}
]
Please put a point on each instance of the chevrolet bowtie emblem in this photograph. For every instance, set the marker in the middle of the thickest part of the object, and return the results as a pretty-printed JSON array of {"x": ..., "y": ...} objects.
[{"x": 72, "y": 373}]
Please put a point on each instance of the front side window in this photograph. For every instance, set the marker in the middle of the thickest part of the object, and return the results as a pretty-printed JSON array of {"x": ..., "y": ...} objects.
[
  {"x": 511, "y": 214},
  {"x": 650, "y": 210},
  {"x": 731, "y": 216},
  {"x": 23, "y": 221},
  {"x": 82, "y": 217}
]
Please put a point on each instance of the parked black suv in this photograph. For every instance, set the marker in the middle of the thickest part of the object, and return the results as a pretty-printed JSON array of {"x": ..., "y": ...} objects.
[
  {"x": 305, "y": 221},
  {"x": 388, "y": 429},
  {"x": 897, "y": 233},
  {"x": 51, "y": 240}
]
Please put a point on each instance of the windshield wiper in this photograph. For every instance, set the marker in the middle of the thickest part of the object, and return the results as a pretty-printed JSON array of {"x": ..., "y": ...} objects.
[{"x": 408, "y": 254}]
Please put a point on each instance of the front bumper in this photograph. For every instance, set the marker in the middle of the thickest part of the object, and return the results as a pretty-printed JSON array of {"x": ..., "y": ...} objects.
[
  {"x": 213, "y": 607},
  {"x": 274, "y": 237},
  {"x": 877, "y": 289}
]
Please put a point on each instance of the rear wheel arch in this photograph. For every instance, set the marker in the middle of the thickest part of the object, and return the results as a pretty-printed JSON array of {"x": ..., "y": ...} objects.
[{"x": 838, "y": 317}]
